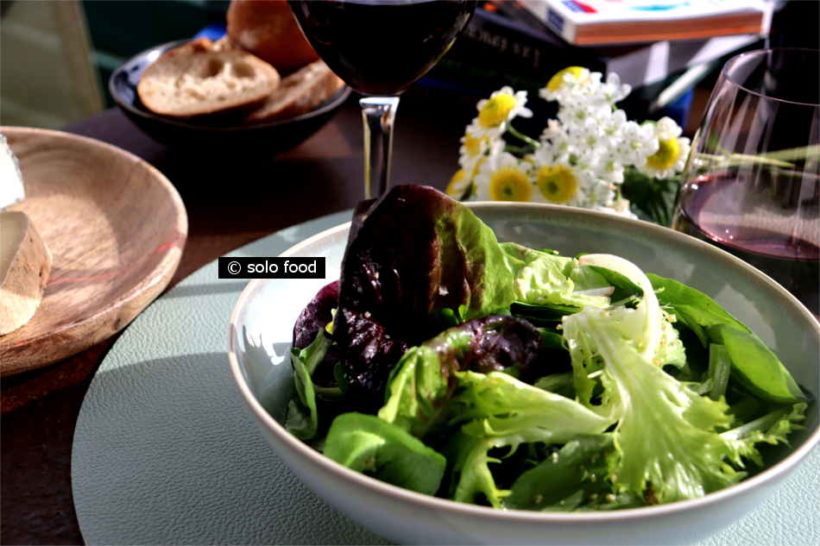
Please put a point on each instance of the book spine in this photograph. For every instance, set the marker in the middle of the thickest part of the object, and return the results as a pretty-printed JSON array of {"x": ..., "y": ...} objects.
[
  {"x": 551, "y": 17},
  {"x": 485, "y": 36},
  {"x": 493, "y": 40}
]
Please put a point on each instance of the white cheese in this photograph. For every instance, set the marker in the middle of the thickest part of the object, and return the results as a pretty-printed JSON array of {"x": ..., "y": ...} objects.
[
  {"x": 11, "y": 181},
  {"x": 25, "y": 265}
]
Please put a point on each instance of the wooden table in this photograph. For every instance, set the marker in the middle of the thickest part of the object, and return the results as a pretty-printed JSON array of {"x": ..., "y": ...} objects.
[{"x": 231, "y": 201}]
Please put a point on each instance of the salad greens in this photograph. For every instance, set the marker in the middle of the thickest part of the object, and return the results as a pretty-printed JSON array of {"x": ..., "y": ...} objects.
[
  {"x": 451, "y": 364},
  {"x": 371, "y": 446}
]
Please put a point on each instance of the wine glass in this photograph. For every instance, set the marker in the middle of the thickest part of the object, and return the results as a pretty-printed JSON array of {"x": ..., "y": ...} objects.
[
  {"x": 379, "y": 48},
  {"x": 752, "y": 184}
]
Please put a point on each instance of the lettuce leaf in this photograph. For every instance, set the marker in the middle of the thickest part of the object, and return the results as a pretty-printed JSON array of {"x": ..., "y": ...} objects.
[
  {"x": 502, "y": 411},
  {"x": 374, "y": 447},
  {"x": 578, "y": 476},
  {"x": 418, "y": 389},
  {"x": 667, "y": 436},
  {"x": 471, "y": 471},
  {"x": 773, "y": 428},
  {"x": 498, "y": 405},
  {"x": 545, "y": 278},
  {"x": 423, "y": 381},
  {"x": 413, "y": 255},
  {"x": 302, "y": 417},
  {"x": 669, "y": 439},
  {"x": 754, "y": 365}
]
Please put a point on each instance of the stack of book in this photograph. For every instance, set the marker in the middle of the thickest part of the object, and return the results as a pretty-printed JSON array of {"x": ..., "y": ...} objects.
[
  {"x": 508, "y": 43},
  {"x": 606, "y": 22}
]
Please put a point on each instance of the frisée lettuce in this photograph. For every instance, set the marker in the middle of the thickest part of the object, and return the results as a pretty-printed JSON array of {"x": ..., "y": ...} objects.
[{"x": 449, "y": 363}]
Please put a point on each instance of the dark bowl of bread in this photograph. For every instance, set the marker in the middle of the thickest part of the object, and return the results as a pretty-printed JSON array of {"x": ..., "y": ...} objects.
[{"x": 205, "y": 94}]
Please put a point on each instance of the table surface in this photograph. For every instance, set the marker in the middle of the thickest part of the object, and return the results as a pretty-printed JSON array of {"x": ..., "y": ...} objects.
[{"x": 231, "y": 201}]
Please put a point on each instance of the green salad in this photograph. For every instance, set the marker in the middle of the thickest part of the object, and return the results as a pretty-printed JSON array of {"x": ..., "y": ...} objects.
[{"x": 451, "y": 364}]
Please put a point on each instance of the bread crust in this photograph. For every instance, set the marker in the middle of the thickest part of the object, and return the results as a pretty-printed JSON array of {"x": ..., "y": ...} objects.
[
  {"x": 202, "y": 78},
  {"x": 298, "y": 94},
  {"x": 268, "y": 29}
]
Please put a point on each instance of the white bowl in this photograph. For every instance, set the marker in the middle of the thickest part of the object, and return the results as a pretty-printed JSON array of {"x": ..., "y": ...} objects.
[{"x": 260, "y": 337}]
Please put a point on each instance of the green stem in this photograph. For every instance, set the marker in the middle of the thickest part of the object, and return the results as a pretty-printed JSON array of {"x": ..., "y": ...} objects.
[
  {"x": 518, "y": 150},
  {"x": 521, "y": 136}
]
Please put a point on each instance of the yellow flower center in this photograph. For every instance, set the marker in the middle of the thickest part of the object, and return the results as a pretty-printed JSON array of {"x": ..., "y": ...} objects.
[
  {"x": 496, "y": 110},
  {"x": 473, "y": 144},
  {"x": 667, "y": 155},
  {"x": 510, "y": 184},
  {"x": 556, "y": 183},
  {"x": 457, "y": 184},
  {"x": 557, "y": 80}
]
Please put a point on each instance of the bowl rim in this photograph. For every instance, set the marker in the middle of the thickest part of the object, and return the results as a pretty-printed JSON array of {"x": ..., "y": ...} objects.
[
  {"x": 430, "y": 502},
  {"x": 330, "y": 104}
]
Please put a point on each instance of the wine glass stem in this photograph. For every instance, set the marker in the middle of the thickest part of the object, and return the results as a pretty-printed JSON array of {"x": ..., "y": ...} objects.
[{"x": 378, "y": 114}]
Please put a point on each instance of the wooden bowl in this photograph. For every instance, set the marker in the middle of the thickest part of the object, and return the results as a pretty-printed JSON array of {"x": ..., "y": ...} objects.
[{"x": 115, "y": 227}]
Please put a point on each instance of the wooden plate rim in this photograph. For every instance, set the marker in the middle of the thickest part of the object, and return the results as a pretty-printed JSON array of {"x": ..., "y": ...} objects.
[{"x": 151, "y": 286}]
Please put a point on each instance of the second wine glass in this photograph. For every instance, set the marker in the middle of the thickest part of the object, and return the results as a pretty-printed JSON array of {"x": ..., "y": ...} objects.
[
  {"x": 379, "y": 48},
  {"x": 753, "y": 179}
]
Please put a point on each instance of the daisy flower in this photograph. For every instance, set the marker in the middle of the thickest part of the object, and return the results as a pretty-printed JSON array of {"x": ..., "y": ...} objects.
[
  {"x": 504, "y": 178},
  {"x": 565, "y": 83},
  {"x": 672, "y": 150},
  {"x": 557, "y": 183},
  {"x": 496, "y": 112}
]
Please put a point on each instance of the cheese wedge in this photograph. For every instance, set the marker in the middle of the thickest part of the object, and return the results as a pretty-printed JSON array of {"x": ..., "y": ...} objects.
[
  {"x": 25, "y": 265},
  {"x": 11, "y": 181}
]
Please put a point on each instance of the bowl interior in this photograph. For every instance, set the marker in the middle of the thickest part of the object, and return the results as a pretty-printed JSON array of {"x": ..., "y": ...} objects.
[{"x": 264, "y": 318}]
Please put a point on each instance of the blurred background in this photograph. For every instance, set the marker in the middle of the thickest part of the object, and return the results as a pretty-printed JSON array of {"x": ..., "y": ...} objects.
[{"x": 56, "y": 55}]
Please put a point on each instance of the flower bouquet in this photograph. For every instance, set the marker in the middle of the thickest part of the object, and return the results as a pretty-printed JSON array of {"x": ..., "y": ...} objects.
[{"x": 591, "y": 156}]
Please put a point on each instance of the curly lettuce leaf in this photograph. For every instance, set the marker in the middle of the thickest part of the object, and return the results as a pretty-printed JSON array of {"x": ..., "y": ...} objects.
[
  {"x": 773, "y": 428},
  {"x": 667, "y": 437},
  {"x": 545, "y": 278},
  {"x": 498, "y": 405},
  {"x": 374, "y": 447},
  {"x": 644, "y": 323},
  {"x": 504, "y": 412}
]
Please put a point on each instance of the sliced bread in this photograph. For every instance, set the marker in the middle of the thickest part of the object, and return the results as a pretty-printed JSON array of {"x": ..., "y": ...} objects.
[
  {"x": 201, "y": 78},
  {"x": 298, "y": 94}
]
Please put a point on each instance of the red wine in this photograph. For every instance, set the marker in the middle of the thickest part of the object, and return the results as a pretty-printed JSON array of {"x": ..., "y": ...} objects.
[
  {"x": 380, "y": 47},
  {"x": 772, "y": 225}
]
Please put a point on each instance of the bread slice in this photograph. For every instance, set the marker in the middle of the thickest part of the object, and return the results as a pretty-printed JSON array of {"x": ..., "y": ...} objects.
[
  {"x": 199, "y": 78},
  {"x": 298, "y": 94}
]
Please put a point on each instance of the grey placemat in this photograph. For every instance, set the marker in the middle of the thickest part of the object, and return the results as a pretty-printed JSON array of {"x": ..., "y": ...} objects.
[{"x": 165, "y": 451}]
